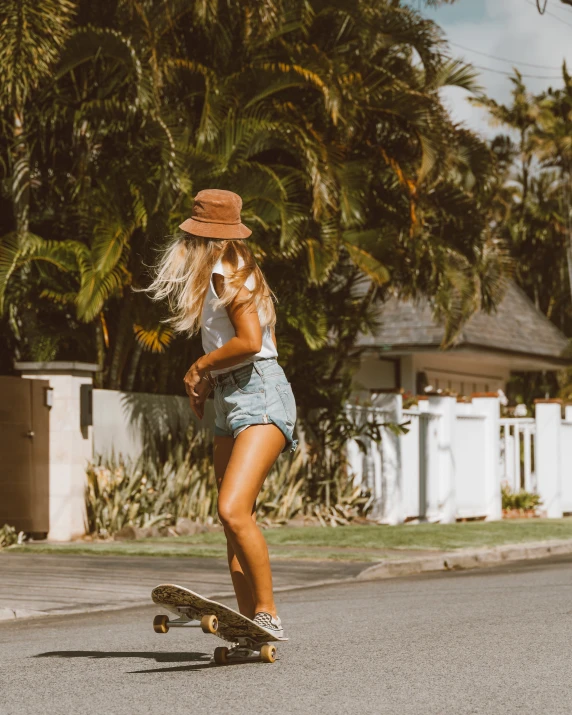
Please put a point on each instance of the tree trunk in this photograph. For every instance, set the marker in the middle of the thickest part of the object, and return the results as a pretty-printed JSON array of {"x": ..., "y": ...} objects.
[
  {"x": 100, "y": 348},
  {"x": 20, "y": 175},
  {"x": 124, "y": 327},
  {"x": 346, "y": 344},
  {"x": 164, "y": 374},
  {"x": 568, "y": 212},
  {"x": 130, "y": 381}
]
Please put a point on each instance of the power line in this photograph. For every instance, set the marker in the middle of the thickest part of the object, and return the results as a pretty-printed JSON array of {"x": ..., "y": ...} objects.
[
  {"x": 564, "y": 8},
  {"x": 510, "y": 74},
  {"x": 547, "y": 12},
  {"x": 503, "y": 59}
]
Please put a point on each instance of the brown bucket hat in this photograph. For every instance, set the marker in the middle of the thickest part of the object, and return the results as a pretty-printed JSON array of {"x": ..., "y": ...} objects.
[{"x": 216, "y": 214}]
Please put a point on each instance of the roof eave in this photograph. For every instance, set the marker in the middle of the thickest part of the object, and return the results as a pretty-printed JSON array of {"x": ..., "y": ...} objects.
[{"x": 554, "y": 361}]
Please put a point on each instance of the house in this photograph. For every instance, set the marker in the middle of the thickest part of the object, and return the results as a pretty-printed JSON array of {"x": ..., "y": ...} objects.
[{"x": 405, "y": 351}]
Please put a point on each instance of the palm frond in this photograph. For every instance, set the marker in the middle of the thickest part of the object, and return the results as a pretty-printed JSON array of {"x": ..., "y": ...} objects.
[
  {"x": 373, "y": 268},
  {"x": 32, "y": 37},
  {"x": 9, "y": 253},
  {"x": 96, "y": 288},
  {"x": 155, "y": 340}
]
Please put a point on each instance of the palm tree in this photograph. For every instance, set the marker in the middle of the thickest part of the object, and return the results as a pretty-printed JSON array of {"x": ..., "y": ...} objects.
[
  {"x": 554, "y": 149},
  {"x": 535, "y": 183},
  {"x": 31, "y": 38},
  {"x": 324, "y": 116}
]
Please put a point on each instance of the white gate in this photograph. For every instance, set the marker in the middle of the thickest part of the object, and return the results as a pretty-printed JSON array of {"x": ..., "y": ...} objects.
[{"x": 517, "y": 453}]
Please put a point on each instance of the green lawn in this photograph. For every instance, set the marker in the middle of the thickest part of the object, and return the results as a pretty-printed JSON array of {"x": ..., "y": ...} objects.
[
  {"x": 353, "y": 543},
  {"x": 428, "y": 536}
]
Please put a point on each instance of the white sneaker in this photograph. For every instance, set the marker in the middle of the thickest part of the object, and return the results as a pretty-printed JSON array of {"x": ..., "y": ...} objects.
[{"x": 269, "y": 623}]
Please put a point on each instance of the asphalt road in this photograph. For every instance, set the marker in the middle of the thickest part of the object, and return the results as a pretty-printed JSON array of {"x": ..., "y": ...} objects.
[{"x": 487, "y": 641}]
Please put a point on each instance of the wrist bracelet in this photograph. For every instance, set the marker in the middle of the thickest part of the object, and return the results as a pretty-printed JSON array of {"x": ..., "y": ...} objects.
[{"x": 209, "y": 379}]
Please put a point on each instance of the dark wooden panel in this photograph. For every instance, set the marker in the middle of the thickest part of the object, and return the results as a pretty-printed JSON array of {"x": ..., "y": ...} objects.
[
  {"x": 40, "y": 457},
  {"x": 16, "y": 504},
  {"x": 15, "y": 403},
  {"x": 24, "y": 454}
]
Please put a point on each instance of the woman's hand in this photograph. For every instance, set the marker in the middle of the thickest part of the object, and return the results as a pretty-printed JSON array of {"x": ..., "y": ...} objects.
[
  {"x": 197, "y": 387},
  {"x": 193, "y": 379},
  {"x": 197, "y": 402}
]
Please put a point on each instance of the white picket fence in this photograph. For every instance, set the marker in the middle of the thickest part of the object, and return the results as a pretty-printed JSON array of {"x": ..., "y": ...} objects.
[
  {"x": 517, "y": 450},
  {"x": 455, "y": 456}
]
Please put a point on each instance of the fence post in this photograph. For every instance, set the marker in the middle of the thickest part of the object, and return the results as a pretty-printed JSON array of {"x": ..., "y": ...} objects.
[
  {"x": 445, "y": 407},
  {"x": 392, "y": 510},
  {"x": 464, "y": 406},
  {"x": 488, "y": 405},
  {"x": 354, "y": 456},
  {"x": 428, "y": 463},
  {"x": 566, "y": 460},
  {"x": 548, "y": 415}
]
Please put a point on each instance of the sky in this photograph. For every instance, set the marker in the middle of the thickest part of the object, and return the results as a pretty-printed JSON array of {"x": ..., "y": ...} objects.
[{"x": 509, "y": 29}]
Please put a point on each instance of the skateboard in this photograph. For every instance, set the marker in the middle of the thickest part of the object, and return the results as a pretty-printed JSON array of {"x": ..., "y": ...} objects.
[{"x": 250, "y": 642}]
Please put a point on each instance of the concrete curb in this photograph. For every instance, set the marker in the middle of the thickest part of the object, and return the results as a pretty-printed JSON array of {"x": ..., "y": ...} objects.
[
  {"x": 463, "y": 559},
  {"x": 466, "y": 559},
  {"x": 9, "y": 614}
]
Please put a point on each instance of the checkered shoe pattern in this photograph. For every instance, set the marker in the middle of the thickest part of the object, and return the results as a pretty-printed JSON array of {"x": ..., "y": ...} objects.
[{"x": 265, "y": 620}]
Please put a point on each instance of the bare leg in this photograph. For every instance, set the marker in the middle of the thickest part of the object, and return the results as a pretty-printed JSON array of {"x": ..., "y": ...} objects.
[
  {"x": 254, "y": 452},
  {"x": 222, "y": 451}
]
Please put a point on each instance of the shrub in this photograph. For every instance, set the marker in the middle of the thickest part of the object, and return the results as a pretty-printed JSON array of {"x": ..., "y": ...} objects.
[
  {"x": 520, "y": 501},
  {"x": 147, "y": 493},
  {"x": 9, "y": 536}
]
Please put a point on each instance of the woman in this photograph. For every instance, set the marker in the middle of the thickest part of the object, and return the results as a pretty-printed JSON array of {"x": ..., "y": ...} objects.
[{"x": 212, "y": 281}]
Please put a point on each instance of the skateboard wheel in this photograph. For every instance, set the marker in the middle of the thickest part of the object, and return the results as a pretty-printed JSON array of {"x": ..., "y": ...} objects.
[
  {"x": 161, "y": 624},
  {"x": 268, "y": 653},
  {"x": 221, "y": 656},
  {"x": 209, "y": 624}
]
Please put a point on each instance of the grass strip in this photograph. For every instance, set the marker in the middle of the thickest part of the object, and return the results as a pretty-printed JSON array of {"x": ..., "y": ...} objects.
[
  {"x": 441, "y": 537},
  {"x": 350, "y": 543},
  {"x": 193, "y": 551}
]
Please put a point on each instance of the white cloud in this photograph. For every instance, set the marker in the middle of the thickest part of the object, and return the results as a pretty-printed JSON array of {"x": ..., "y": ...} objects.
[{"x": 514, "y": 30}]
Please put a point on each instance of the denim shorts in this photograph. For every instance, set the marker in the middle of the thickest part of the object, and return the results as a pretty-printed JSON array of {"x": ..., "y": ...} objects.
[{"x": 255, "y": 394}]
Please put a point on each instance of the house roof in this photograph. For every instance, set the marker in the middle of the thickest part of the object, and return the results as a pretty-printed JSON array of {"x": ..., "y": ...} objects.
[{"x": 516, "y": 327}]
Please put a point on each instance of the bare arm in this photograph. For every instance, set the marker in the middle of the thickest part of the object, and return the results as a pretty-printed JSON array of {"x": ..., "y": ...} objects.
[{"x": 246, "y": 342}]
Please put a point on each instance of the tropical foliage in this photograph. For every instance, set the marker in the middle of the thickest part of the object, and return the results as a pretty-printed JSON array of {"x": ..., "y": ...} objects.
[
  {"x": 154, "y": 492},
  {"x": 325, "y": 116},
  {"x": 532, "y": 207}
]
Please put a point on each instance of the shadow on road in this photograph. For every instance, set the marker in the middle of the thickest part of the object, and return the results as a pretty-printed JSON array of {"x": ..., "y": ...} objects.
[
  {"x": 179, "y": 669},
  {"x": 157, "y": 657},
  {"x": 203, "y": 658}
]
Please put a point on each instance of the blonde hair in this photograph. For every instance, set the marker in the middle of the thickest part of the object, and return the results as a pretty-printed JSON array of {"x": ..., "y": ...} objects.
[{"x": 183, "y": 276}]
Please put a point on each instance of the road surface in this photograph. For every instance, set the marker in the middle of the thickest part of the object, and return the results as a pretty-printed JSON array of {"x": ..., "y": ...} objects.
[{"x": 485, "y": 641}]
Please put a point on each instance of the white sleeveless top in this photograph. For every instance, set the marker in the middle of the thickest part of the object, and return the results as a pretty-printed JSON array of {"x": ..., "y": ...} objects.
[{"x": 216, "y": 328}]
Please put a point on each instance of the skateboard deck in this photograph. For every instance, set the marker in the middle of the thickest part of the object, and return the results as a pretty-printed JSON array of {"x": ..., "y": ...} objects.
[{"x": 251, "y": 641}]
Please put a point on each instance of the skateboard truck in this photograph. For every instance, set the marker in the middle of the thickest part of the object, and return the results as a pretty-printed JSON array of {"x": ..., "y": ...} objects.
[
  {"x": 161, "y": 624},
  {"x": 208, "y": 624},
  {"x": 244, "y": 652}
]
